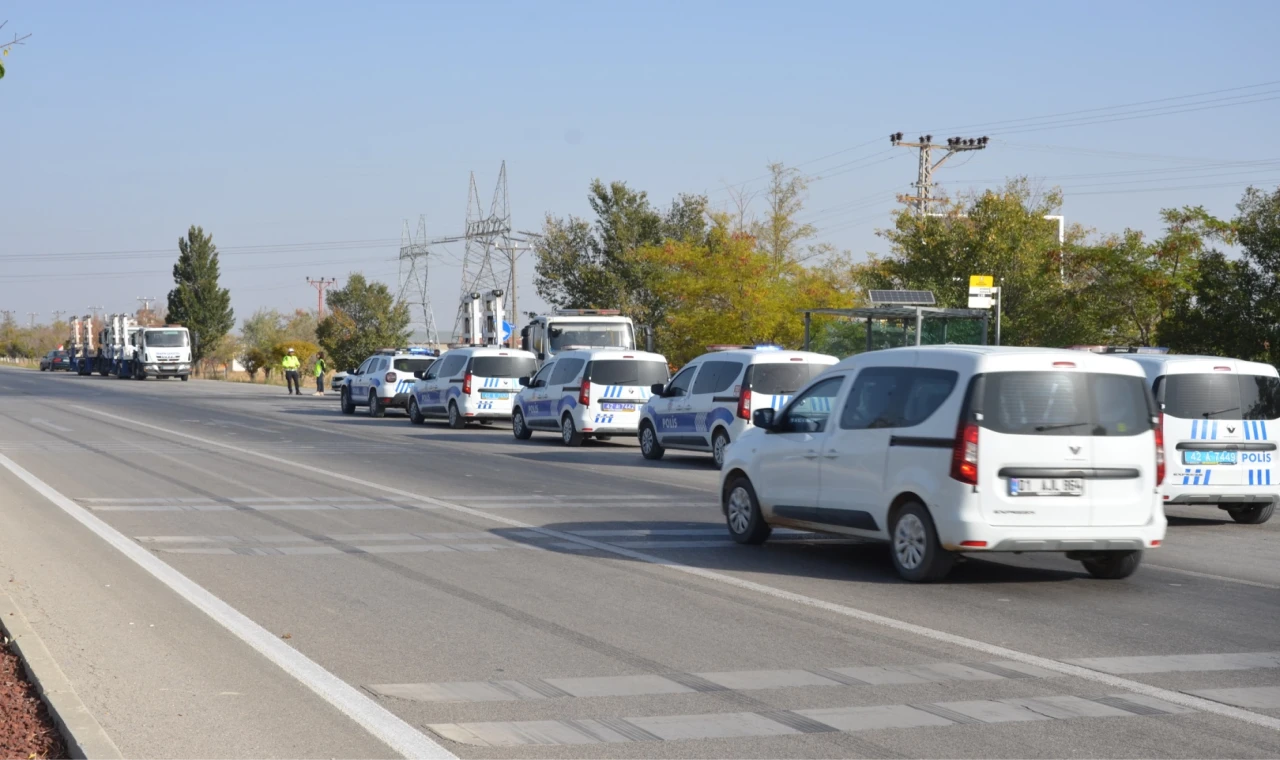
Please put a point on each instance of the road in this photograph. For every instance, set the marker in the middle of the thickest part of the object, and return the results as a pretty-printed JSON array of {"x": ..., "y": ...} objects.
[{"x": 223, "y": 570}]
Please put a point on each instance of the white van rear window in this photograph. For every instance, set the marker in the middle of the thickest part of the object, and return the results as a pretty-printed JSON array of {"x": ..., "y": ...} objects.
[
  {"x": 1219, "y": 395},
  {"x": 1064, "y": 403}
]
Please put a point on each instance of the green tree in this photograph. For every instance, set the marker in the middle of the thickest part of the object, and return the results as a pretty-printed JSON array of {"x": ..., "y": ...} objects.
[
  {"x": 729, "y": 289},
  {"x": 363, "y": 318},
  {"x": 197, "y": 302},
  {"x": 582, "y": 264},
  {"x": 262, "y": 330},
  {"x": 780, "y": 233},
  {"x": 1233, "y": 309},
  {"x": 255, "y": 359},
  {"x": 304, "y": 350}
]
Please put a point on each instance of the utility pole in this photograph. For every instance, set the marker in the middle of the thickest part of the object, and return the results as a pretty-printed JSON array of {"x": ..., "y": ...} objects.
[
  {"x": 95, "y": 310},
  {"x": 321, "y": 285},
  {"x": 8, "y": 314},
  {"x": 924, "y": 173},
  {"x": 146, "y": 308},
  {"x": 57, "y": 316},
  {"x": 33, "y": 315}
]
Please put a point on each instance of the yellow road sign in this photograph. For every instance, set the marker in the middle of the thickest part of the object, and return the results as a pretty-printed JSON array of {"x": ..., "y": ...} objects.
[{"x": 981, "y": 281}]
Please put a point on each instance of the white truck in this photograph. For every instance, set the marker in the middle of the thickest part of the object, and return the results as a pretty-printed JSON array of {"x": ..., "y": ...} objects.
[
  {"x": 568, "y": 329},
  {"x": 124, "y": 348}
]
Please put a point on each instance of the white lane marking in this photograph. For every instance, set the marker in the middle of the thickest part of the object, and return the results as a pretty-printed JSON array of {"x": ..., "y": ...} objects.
[
  {"x": 377, "y": 720},
  {"x": 50, "y": 425},
  {"x": 1212, "y": 577},
  {"x": 1058, "y": 666}
]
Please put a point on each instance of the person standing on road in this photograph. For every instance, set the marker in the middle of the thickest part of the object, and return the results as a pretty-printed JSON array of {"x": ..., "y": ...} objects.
[
  {"x": 320, "y": 370},
  {"x": 290, "y": 365}
]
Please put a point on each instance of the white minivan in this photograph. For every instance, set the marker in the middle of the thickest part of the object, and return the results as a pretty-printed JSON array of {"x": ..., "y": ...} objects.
[
  {"x": 474, "y": 384},
  {"x": 708, "y": 404},
  {"x": 947, "y": 449},
  {"x": 591, "y": 392},
  {"x": 1221, "y": 422}
]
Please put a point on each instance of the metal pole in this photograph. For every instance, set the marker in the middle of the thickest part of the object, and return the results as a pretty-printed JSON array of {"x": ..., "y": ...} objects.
[
  {"x": 807, "y": 320},
  {"x": 999, "y": 301},
  {"x": 868, "y": 333},
  {"x": 919, "y": 323},
  {"x": 986, "y": 325}
]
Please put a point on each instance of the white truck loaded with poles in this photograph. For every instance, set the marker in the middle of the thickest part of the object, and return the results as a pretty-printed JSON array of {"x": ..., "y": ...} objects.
[
  {"x": 567, "y": 329},
  {"x": 124, "y": 348}
]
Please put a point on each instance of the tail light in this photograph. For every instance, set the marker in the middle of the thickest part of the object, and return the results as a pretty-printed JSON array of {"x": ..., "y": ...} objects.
[
  {"x": 584, "y": 393},
  {"x": 466, "y": 384},
  {"x": 744, "y": 404},
  {"x": 1160, "y": 450},
  {"x": 964, "y": 457},
  {"x": 390, "y": 378}
]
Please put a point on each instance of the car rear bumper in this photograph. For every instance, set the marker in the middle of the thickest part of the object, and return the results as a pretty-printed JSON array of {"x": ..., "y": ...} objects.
[
  {"x": 1252, "y": 496},
  {"x": 958, "y": 534}
]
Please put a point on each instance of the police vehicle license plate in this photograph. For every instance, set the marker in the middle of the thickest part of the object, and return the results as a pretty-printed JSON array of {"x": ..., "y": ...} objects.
[
  {"x": 1210, "y": 457},
  {"x": 493, "y": 394},
  {"x": 1046, "y": 487},
  {"x": 618, "y": 407}
]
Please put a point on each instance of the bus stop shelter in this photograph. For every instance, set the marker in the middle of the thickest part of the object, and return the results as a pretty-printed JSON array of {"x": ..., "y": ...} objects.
[{"x": 907, "y": 315}]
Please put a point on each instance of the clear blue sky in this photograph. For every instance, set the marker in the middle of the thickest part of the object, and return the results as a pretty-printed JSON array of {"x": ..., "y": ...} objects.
[{"x": 274, "y": 123}]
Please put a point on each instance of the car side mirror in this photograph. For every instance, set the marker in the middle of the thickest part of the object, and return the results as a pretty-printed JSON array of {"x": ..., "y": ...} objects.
[
  {"x": 657, "y": 388},
  {"x": 420, "y": 374},
  {"x": 764, "y": 418},
  {"x": 524, "y": 382}
]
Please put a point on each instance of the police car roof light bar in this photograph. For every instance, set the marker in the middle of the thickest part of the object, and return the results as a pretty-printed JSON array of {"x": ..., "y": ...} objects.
[{"x": 587, "y": 312}]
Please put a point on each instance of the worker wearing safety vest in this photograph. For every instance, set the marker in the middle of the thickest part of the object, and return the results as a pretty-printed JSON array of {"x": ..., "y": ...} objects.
[
  {"x": 320, "y": 369},
  {"x": 290, "y": 365}
]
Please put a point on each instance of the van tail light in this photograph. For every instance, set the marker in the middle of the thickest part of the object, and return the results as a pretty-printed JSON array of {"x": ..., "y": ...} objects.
[
  {"x": 390, "y": 377},
  {"x": 584, "y": 393},
  {"x": 964, "y": 457},
  {"x": 744, "y": 405},
  {"x": 466, "y": 384},
  {"x": 1160, "y": 450}
]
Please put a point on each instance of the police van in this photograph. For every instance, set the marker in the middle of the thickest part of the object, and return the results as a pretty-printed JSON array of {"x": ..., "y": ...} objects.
[
  {"x": 474, "y": 384},
  {"x": 588, "y": 392},
  {"x": 1221, "y": 423},
  {"x": 384, "y": 380},
  {"x": 709, "y": 402}
]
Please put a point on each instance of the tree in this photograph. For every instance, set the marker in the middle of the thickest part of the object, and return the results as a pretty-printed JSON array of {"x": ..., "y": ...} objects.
[
  {"x": 304, "y": 350},
  {"x": 780, "y": 233},
  {"x": 1233, "y": 308},
  {"x": 363, "y": 317},
  {"x": 729, "y": 289},
  {"x": 197, "y": 302},
  {"x": 6, "y": 46},
  {"x": 581, "y": 264},
  {"x": 255, "y": 359}
]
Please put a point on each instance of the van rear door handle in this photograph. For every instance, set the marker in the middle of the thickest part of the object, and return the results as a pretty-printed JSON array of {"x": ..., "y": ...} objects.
[
  {"x": 831, "y": 455},
  {"x": 811, "y": 454}
]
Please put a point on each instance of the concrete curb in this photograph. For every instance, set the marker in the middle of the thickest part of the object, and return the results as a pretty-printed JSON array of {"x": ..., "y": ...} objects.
[{"x": 84, "y": 737}]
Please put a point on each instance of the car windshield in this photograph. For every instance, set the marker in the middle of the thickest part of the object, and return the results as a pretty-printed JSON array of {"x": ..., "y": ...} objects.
[
  {"x": 503, "y": 366},
  {"x": 592, "y": 334},
  {"x": 1219, "y": 395},
  {"x": 413, "y": 365},
  {"x": 782, "y": 378},
  {"x": 166, "y": 338},
  {"x": 628, "y": 372},
  {"x": 1064, "y": 404}
]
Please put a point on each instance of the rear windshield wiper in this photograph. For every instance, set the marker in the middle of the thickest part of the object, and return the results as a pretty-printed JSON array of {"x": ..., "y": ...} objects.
[
  {"x": 1043, "y": 428},
  {"x": 1222, "y": 411}
]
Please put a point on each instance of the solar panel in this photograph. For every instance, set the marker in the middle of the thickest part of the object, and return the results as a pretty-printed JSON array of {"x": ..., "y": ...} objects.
[{"x": 902, "y": 297}]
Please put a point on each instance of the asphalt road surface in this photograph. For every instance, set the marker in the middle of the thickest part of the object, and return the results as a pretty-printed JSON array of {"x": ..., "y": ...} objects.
[{"x": 224, "y": 570}]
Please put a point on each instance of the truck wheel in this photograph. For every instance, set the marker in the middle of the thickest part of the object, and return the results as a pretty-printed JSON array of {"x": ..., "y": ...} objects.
[
  {"x": 649, "y": 446},
  {"x": 519, "y": 428},
  {"x": 1113, "y": 565},
  {"x": 347, "y": 406},
  {"x": 375, "y": 408},
  {"x": 185, "y": 378},
  {"x": 1253, "y": 515},
  {"x": 415, "y": 414},
  {"x": 569, "y": 432},
  {"x": 742, "y": 513},
  {"x": 917, "y": 554},
  {"x": 719, "y": 443},
  {"x": 456, "y": 420}
]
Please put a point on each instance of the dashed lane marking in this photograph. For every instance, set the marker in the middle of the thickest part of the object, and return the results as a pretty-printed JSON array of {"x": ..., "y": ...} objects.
[
  {"x": 742, "y": 725},
  {"x": 993, "y": 650},
  {"x": 684, "y": 683}
]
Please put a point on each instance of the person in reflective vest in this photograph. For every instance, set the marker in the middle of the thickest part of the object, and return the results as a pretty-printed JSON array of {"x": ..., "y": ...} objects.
[
  {"x": 290, "y": 365},
  {"x": 320, "y": 370}
]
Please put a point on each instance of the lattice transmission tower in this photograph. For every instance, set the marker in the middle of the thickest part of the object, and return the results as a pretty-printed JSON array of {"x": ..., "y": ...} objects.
[
  {"x": 487, "y": 263},
  {"x": 415, "y": 283}
]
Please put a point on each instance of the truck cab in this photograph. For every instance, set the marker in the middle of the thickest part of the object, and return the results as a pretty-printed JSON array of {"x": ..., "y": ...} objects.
[
  {"x": 569, "y": 329},
  {"x": 160, "y": 352}
]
